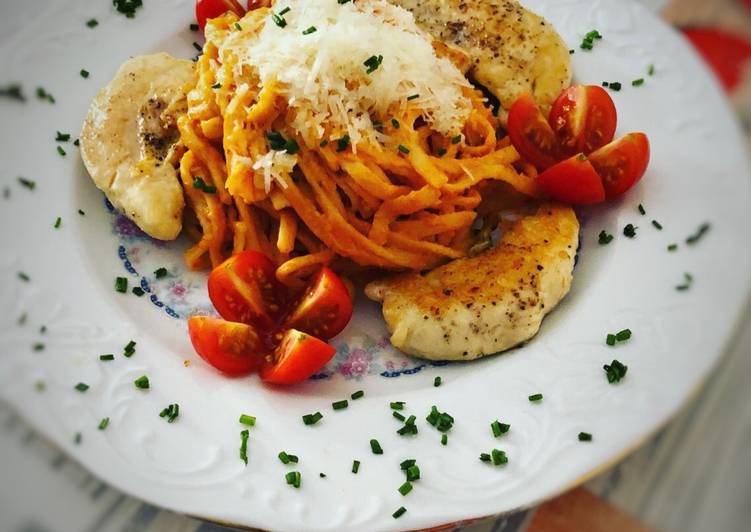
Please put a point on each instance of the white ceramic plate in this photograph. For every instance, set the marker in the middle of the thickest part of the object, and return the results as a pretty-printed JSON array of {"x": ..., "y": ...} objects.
[{"x": 698, "y": 174}]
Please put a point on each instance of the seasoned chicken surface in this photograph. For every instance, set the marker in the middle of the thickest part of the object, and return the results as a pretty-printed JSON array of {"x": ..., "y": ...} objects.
[
  {"x": 511, "y": 49},
  {"x": 481, "y": 305},
  {"x": 128, "y": 140}
]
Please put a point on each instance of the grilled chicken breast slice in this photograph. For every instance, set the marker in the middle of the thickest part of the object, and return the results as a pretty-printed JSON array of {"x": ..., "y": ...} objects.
[
  {"x": 477, "y": 306},
  {"x": 128, "y": 138},
  {"x": 512, "y": 50}
]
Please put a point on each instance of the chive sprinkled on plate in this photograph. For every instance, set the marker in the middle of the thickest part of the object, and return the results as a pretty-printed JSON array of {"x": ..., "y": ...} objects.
[
  {"x": 42, "y": 94},
  {"x": 534, "y": 398},
  {"x": 104, "y": 423},
  {"x": 651, "y": 70},
  {"x": 170, "y": 413},
  {"x": 372, "y": 63},
  {"x": 688, "y": 280},
  {"x": 200, "y": 184},
  {"x": 308, "y": 31},
  {"x": 657, "y": 225},
  {"x": 395, "y": 123},
  {"x": 138, "y": 291},
  {"x": 121, "y": 285},
  {"x": 81, "y": 387},
  {"x": 194, "y": 27},
  {"x": 672, "y": 247},
  {"x": 498, "y": 428},
  {"x": 81, "y": 212},
  {"x": 443, "y": 421},
  {"x": 403, "y": 149},
  {"x": 604, "y": 238},
  {"x": 61, "y": 151},
  {"x": 62, "y": 137},
  {"x": 357, "y": 395},
  {"x": 399, "y": 512},
  {"x": 77, "y": 438},
  {"x": 24, "y": 277},
  {"x": 58, "y": 223},
  {"x": 376, "y": 447},
  {"x": 699, "y": 234},
  {"x": 412, "y": 97},
  {"x": 397, "y": 405},
  {"x": 437, "y": 382},
  {"x": 588, "y": 41},
  {"x": 107, "y": 357},
  {"x": 238, "y": 27},
  {"x": 160, "y": 273},
  {"x": 485, "y": 457},
  {"x": 615, "y": 371},
  {"x": 642, "y": 211},
  {"x": 613, "y": 85},
  {"x": 637, "y": 82},
  {"x": 322, "y": 475},
  {"x": 398, "y": 416},
  {"x": 413, "y": 473},
  {"x": 342, "y": 143},
  {"x": 355, "y": 466},
  {"x": 498, "y": 457},
  {"x": 444, "y": 439},
  {"x": 197, "y": 47},
  {"x": 13, "y": 91},
  {"x": 340, "y": 405},
  {"x": 129, "y": 349},
  {"x": 92, "y": 23},
  {"x": 27, "y": 183},
  {"x": 293, "y": 478},
  {"x": 38, "y": 347},
  {"x": 244, "y": 435},
  {"x": 456, "y": 139},
  {"x": 312, "y": 419},
  {"x": 127, "y": 7},
  {"x": 405, "y": 488},
  {"x": 630, "y": 230},
  {"x": 406, "y": 464},
  {"x": 142, "y": 382},
  {"x": 249, "y": 421},
  {"x": 585, "y": 436}
]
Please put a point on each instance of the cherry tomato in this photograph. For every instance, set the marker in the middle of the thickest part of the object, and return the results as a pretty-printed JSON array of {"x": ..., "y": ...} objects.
[
  {"x": 232, "y": 348},
  {"x": 572, "y": 181},
  {"x": 583, "y": 118},
  {"x": 297, "y": 357},
  {"x": 324, "y": 308},
  {"x": 621, "y": 163},
  {"x": 255, "y": 4},
  {"x": 531, "y": 134},
  {"x": 244, "y": 289},
  {"x": 206, "y": 9}
]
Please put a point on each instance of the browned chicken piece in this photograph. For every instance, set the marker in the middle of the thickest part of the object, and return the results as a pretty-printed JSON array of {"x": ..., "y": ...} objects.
[
  {"x": 477, "y": 306},
  {"x": 511, "y": 49}
]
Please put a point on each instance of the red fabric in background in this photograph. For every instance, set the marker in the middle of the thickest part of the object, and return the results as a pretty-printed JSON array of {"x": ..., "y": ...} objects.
[{"x": 724, "y": 52}]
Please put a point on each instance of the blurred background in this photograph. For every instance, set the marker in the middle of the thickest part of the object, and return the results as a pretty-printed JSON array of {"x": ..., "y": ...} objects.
[{"x": 693, "y": 476}]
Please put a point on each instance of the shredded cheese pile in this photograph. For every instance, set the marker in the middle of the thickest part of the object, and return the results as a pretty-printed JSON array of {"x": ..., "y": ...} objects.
[{"x": 319, "y": 52}]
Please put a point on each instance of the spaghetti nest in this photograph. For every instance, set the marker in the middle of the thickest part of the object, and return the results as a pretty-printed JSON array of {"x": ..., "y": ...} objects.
[{"x": 253, "y": 183}]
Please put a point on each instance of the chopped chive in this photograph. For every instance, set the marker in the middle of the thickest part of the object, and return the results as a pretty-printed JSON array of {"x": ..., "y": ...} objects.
[
  {"x": 22, "y": 319},
  {"x": 61, "y": 151},
  {"x": 37, "y": 347},
  {"x": 194, "y": 27},
  {"x": 443, "y": 421},
  {"x": 441, "y": 152},
  {"x": 395, "y": 123},
  {"x": 142, "y": 382},
  {"x": 604, "y": 238},
  {"x": 77, "y": 142},
  {"x": 402, "y": 148},
  {"x": 342, "y": 2},
  {"x": 342, "y": 143},
  {"x": 27, "y": 183},
  {"x": 294, "y": 478},
  {"x": 535, "y": 397},
  {"x": 444, "y": 439},
  {"x": 613, "y": 85},
  {"x": 585, "y": 436},
  {"x": 357, "y": 395},
  {"x": 397, "y": 405},
  {"x": 81, "y": 387},
  {"x": 160, "y": 273},
  {"x": 355, "y": 466},
  {"x": 651, "y": 70},
  {"x": 637, "y": 82},
  {"x": 456, "y": 139},
  {"x": 589, "y": 40},
  {"x": 399, "y": 512},
  {"x": 322, "y": 475},
  {"x": 58, "y": 223},
  {"x": 412, "y": 97},
  {"x": 216, "y": 86},
  {"x": 171, "y": 412},
  {"x": 80, "y": 211},
  {"x": 698, "y": 235},
  {"x": 372, "y": 63},
  {"x": 309, "y": 30},
  {"x": 197, "y": 47},
  {"x": 375, "y": 447},
  {"x": 92, "y": 23},
  {"x": 657, "y": 225},
  {"x": 238, "y": 27},
  {"x": 104, "y": 423},
  {"x": 437, "y": 382},
  {"x": 278, "y": 20},
  {"x": 121, "y": 284},
  {"x": 398, "y": 416},
  {"x": 107, "y": 357},
  {"x": 245, "y": 419},
  {"x": 285, "y": 11},
  {"x": 339, "y": 405},
  {"x": 284, "y": 458},
  {"x": 40, "y": 386},
  {"x": 406, "y": 464},
  {"x": 642, "y": 211},
  {"x": 244, "y": 435},
  {"x": 610, "y": 340},
  {"x": 688, "y": 280},
  {"x": 24, "y": 277},
  {"x": 77, "y": 438},
  {"x": 138, "y": 291},
  {"x": 499, "y": 428},
  {"x": 129, "y": 349},
  {"x": 485, "y": 457},
  {"x": 499, "y": 457},
  {"x": 312, "y": 419},
  {"x": 615, "y": 371},
  {"x": 571, "y": 51},
  {"x": 405, "y": 488},
  {"x": 62, "y": 137},
  {"x": 413, "y": 473},
  {"x": 630, "y": 230},
  {"x": 14, "y": 91},
  {"x": 622, "y": 336},
  {"x": 42, "y": 94},
  {"x": 672, "y": 247}
]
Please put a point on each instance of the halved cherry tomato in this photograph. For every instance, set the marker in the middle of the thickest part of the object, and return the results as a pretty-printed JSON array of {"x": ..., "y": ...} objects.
[
  {"x": 621, "y": 163},
  {"x": 206, "y": 9},
  {"x": 244, "y": 289},
  {"x": 255, "y": 4},
  {"x": 583, "y": 118},
  {"x": 572, "y": 181},
  {"x": 298, "y": 357},
  {"x": 232, "y": 348},
  {"x": 324, "y": 309},
  {"x": 531, "y": 134}
]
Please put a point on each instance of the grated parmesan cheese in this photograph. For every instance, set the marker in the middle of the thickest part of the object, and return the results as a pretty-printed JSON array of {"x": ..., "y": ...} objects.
[{"x": 323, "y": 76}]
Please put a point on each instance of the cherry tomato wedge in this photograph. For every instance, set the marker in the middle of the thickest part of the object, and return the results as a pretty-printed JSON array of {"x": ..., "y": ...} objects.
[
  {"x": 572, "y": 181},
  {"x": 324, "y": 308},
  {"x": 232, "y": 348},
  {"x": 298, "y": 357},
  {"x": 531, "y": 134},
  {"x": 583, "y": 118},
  {"x": 244, "y": 289},
  {"x": 621, "y": 163},
  {"x": 206, "y": 9}
]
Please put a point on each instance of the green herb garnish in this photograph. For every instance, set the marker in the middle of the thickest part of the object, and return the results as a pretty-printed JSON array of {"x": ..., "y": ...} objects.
[
  {"x": 81, "y": 387},
  {"x": 61, "y": 151},
  {"x": 247, "y": 420},
  {"x": 698, "y": 235},
  {"x": 688, "y": 280},
  {"x": 121, "y": 284},
  {"x": 399, "y": 512},
  {"x": 200, "y": 184},
  {"x": 372, "y": 63},
  {"x": 405, "y": 488},
  {"x": 244, "y": 435},
  {"x": 585, "y": 436},
  {"x": 294, "y": 478},
  {"x": 604, "y": 238},
  {"x": 437, "y": 382},
  {"x": 672, "y": 247},
  {"x": 630, "y": 230},
  {"x": 342, "y": 143},
  {"x": 312, "y": 419},
  {"x": 641, "y": 210},
  {"x": 535, "y": 397},
  {"x": 104, "y": 423},
  {"x": 142, "y": 382},
  {"x": 58, "y": 223},
  {"x": 355, "y": 466},
  {"x": 375, "y": 447},
  {"x": 160, "y": 273},
  {"x": 499, "y": 428},
  {"x": 340, "y": 405},
  {"x": 615, "y": 371},
  {"x": 138, "y": 291},
  {"x": 402, "y": 148},
  {"x": 14, "y": 91},
  {"x": 127, "y": 7},
  {"x": 107, "y": 358},
  {"x": 357, "y": 395},
  {"x": 657, "y": 225},
  {"x": 171, "y": 412},
  {"x": 637, "y": 82},
  {"x": 589, "y": 40},
  {"x": 62, "y": 137},
  {"x": 92, "y": 23},
  {"x": 308, "y": 31}
]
